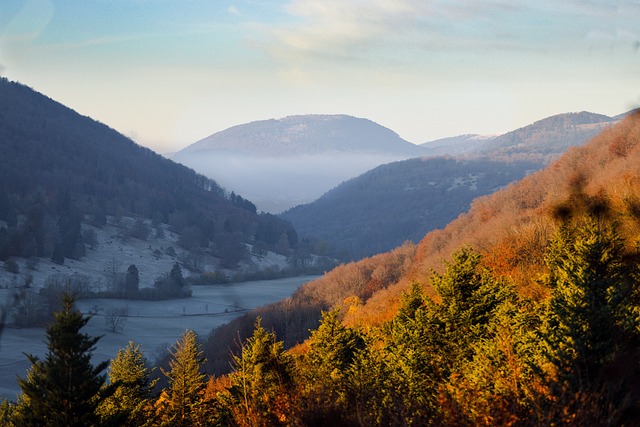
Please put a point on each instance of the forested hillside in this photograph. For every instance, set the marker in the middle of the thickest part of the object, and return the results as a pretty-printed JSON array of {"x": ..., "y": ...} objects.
[
  {"x": 400, "y": 201},
  {"x": 544, "y": 140},
  {"x": 60, "y": 169}
]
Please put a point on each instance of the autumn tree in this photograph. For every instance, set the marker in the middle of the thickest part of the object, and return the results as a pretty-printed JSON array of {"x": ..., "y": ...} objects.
[{"x": 64, "y": 389}]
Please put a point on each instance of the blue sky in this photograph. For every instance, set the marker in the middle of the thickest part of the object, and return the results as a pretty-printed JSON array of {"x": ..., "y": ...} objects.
[{"x": 170, "y": 72}]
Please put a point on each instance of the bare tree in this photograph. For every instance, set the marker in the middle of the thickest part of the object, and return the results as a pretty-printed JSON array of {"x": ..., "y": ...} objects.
[
  {"x": 115, "y": 318},
  {"x": 115, "y": 280}
]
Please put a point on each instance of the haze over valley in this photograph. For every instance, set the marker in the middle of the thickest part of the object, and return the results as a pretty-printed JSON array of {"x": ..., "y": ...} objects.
[{"x": 281, "y": 163}]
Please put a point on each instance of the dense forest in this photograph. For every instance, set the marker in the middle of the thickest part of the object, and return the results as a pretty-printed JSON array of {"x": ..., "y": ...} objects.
[
  {"x": 60, "y": 169},
  {"x": 525, "y": 311},
  {"x": 400, "y": 201}
]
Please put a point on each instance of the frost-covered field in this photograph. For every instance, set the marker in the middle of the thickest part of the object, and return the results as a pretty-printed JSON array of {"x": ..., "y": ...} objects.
[{"x": 155, "y": 325}]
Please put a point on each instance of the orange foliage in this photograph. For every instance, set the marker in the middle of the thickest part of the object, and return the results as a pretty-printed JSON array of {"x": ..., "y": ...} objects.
[{"x": 512, "y": 227}]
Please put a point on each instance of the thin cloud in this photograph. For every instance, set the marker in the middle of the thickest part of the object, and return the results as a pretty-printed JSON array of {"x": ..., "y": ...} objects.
[{"x": 358, "y": 29}]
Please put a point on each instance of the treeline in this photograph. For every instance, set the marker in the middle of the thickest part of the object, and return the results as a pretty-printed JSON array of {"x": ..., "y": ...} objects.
[{"x": 474, "y": 353}]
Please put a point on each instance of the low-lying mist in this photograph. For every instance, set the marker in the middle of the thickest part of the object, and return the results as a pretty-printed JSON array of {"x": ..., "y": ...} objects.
[{"x": 276, "y": 184}]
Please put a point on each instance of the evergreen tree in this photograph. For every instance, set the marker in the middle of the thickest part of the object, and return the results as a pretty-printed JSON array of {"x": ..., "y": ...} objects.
[
  {"x": 58, "y": 254},
  {"x": 588, "y": 322},
  {"x": 333, "y": 348},
  {"x": 130, "y": 402},
  {"x": 589, "y": 301},
  {"x": 499, "y": 385},
  {"x": 414, "y": 354},
  {"x": 469, "y": 297},
  {"x": 176, "y": 275},
  {"x": 180, "y": 404},
  {"x": 64, "y": 389},
  {"x": 132, "y": 281},
  {"x": 261, "y": 381},
  {"x": 7, "y": 411}
]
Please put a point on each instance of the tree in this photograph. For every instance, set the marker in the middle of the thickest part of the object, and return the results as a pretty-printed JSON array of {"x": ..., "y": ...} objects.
[
  {"x": 139, "y": 229},
  {"x": 332, "y": 351},
  {"x": 179, "y": 404},
  {"x": 113, "y": 276},
  {"x": 176, "y": 275},
  {"x": 115, "y": 318},
  {"x": 90, "y": 237},
  {"x": 261, "y": 381},
  {"x": 132, "y": 281},
  {"x": 469, "y": 296},
  {"x": 413, "y": 359},
  {"x": 64, "y": 389},
  {"x": 130, "y": 403},
  {"x": 587, "y": 324},
  {"x": 58, "y": 254}
]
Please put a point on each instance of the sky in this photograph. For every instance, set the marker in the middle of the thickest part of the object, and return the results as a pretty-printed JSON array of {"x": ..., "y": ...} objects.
[{"x": 168, "y": 73}]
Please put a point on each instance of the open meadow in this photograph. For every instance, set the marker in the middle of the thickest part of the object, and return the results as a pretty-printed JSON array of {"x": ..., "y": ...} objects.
[{"x": 155, "y": 325}]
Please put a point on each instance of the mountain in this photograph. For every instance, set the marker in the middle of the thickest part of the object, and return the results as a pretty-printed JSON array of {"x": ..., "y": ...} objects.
[
  {"x": 282, "y": 163},
  {"x": 540, "y": 141},
  {"x": 380, "y": 209},
  {"x": 546, "y": 139},
  {"x": 305, "y": 135},
  {"x": 455, "y": 145},
  {"x": 400, "y": 201},
  {"x": 63, "y": 173}
]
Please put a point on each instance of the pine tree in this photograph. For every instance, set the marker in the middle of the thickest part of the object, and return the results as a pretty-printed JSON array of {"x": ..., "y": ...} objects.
[
  {"x": 176, "y": 275},
  {"x": 180, "y": 402},
  {"x": 261, "y": 381},
  {"x": 130, "y": 402},
  {"x": 132, "y": 281},
  {"x": 589, "y": 301},
  {"x": 588, "y": 323},
  {"x": 64, "y": 389},
  {"x": 7, "y": 411},
  {"x": 414, "y": 354},
  {"x": 469, "y": 297},
  {"x": 333, "y": 348}
]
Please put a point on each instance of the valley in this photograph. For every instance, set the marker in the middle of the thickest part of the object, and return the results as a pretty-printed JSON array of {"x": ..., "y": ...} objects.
[
  {"x": 154, "y": 325},
  {"x": 435, "y": 262}
]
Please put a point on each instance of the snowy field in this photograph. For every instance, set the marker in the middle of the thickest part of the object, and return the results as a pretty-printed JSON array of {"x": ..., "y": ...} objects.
[{"x": 155, "y": 325}]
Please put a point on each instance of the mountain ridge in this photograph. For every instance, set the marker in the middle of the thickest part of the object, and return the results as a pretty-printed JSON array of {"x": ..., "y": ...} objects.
[{"x": 305, "y": 135}]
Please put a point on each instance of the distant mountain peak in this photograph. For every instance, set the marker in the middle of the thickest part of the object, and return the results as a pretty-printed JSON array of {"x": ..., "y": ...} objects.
[{"x": 305, "y": 135}]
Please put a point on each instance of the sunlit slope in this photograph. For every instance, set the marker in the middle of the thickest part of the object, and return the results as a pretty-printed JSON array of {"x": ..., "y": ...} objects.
[{"x": 512, "y": 227}]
